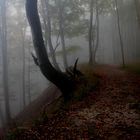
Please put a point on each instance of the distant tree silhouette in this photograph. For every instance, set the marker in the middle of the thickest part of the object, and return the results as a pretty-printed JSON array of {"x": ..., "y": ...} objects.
[
  {"x": 3, "y": 37},
  {"x": 120, "y": 35}
]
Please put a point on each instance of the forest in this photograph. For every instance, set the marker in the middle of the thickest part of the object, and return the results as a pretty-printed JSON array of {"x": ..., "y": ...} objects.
[{"x": 69, "y": 69}]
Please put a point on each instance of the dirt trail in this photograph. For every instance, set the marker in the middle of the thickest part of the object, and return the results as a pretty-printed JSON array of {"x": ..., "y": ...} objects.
[{"x": 113, "y": 110}]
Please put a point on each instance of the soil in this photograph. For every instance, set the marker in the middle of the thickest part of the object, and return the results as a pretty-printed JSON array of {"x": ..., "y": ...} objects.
[{"x": 110, "y": 112}]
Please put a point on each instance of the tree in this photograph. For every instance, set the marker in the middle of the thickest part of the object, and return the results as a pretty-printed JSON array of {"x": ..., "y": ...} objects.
[
  {"x": 91, "y": 43},
  {"x": 2, "y": 120},
  {"x": 120, "y": 36},
  {"x": 137, "y": 6},
  {"x": 29, "y": 80},
  {"x": 97, "y": 32},
  {"x": 23, "y": 64},
  {"x": 93, "y": 32},
  {"x": 65, "y": 83},
  {"x": 61, "y": 28},
  {"x": 1, "y": 117},
  {"x": 21, "y": 27},
  {"x": 65, "y": 22},
  {"x": 3, "y": 36},
  {"x": 48, "y": 30}
]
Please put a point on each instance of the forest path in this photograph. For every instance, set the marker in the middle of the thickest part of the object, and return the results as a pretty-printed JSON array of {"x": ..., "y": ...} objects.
[{"x": 112, "y": 111}]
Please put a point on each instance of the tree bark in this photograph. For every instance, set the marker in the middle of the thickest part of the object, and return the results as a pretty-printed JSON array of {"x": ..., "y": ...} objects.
[
  {"x": 61, "y": 28},
  {"x": 61, "y": 80},
  {"x": 3, "y": 35},
  {"x": 2, "y": 117},
  {"x": 120, "y": 36},
  {"x": 23, "y": 65},
  {"x": 90, "y": 33},
  {"x": 97, "y": 33},
  {"x": 137, "y": 6},
  {"x": 29, "y": 79},
  {"x": 48, "y": 31}
]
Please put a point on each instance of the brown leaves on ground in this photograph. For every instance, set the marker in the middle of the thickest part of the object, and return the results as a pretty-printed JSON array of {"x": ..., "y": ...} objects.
[{"x": 111, "y": 112}]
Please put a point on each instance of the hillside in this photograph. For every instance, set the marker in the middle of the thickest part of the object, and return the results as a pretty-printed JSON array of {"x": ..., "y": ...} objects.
[{"x": 111, "y": 111}]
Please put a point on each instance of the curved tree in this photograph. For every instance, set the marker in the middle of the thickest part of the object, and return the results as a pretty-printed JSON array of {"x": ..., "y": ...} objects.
[{"x": 65, "y": 83}]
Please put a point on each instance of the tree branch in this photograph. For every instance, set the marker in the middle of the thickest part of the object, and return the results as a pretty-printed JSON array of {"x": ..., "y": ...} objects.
[{"x": 35, "y": 59}]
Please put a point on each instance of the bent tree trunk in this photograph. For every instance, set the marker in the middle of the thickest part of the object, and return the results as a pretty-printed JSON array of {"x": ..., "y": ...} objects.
[{"x": 61, "y": 80}]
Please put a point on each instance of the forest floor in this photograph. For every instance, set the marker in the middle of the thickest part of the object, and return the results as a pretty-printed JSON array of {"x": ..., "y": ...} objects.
[{"x": 109, "y": 112}]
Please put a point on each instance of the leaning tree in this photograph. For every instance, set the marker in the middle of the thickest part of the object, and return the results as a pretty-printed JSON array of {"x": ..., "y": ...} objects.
[{"x": 63, "y": 81}]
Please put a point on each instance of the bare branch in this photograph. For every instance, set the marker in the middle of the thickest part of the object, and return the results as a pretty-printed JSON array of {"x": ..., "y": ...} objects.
[
  {"x": 75, "y": 65},
  {"x": 35, "y": 59}
]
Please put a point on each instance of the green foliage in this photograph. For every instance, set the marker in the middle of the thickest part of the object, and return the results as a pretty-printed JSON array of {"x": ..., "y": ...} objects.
[
  {"x": 106, "y": 6},
  {"x": 76, "y": 15},
  {"x": 73, "y": 15}
]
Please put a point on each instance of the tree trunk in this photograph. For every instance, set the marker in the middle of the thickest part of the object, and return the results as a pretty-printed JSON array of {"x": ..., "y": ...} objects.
[
  {"x": 29, "y": 80},
  {"x": 23, "y": 65},
  {"x": 137, "y": 6},
  {"x": 3, "y": 35},
  {"x": 2, "y": 117},
  {"x": 48, "y": 30},
  {"x": 61, "y": 28},
  {"x": 3, "y": 130},
  {"x": 97, "y": 33},
  {"x": 120, "y": 36},
  {"x": 44, "y": 22},
  {"x": 90, "y": 33},
  {"x": 61, "y": 80}
]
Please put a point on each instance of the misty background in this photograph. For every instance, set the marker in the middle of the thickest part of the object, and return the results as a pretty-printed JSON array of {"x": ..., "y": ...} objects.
[{"x": 24, "y": 81}]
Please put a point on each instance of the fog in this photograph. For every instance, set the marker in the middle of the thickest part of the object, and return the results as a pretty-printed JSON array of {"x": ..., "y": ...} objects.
[{"x": 25, "y": 82}]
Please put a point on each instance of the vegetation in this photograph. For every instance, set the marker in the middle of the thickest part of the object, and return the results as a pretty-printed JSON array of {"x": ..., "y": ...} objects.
[
  {"x": 79, "y": 53},
  {"x": 86, "y": 84},
  {"x": 99, "y": 114}
]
